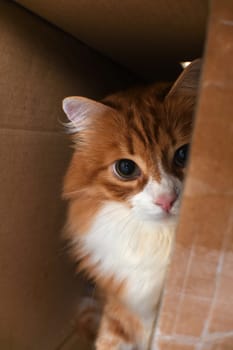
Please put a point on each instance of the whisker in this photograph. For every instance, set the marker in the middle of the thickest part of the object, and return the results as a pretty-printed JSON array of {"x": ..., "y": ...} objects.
[{"x": 74, "y": 192}]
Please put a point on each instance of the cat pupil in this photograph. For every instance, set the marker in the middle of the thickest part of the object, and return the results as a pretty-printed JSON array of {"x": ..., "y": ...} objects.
[
  {"x": 181, "y": 155},
  {"x": 126, "y": 167}
]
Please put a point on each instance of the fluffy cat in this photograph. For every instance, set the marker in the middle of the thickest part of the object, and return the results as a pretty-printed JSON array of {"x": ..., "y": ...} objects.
[{"x": 124, "y": 186}]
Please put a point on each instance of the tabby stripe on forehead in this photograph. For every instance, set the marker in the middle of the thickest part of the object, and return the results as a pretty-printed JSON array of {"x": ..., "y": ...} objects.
[
  {"x": 139, "y": 134},
  {"x": 130, "y": 145},
  {"x": 148, "y": 129},
  {"x": 165, "y": 160},
  {"x": 171, "y": 136},
  {"x": 134, "y": 127},
  {"x": 146, "y": 121},
  {"x": 143, "y": 131},
  {"x": 156, "y": 131}
]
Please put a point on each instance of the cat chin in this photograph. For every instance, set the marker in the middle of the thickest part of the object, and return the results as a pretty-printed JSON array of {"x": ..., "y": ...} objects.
[
  {"x": 165, "y": 219},
  {"x": 132, "y": 250},
  {"x": 155, "y": 218}
]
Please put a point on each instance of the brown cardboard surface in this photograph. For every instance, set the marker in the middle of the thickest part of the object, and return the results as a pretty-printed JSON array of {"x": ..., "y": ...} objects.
[
  {"x": 39, "y": 65},
  {"x": 145, "y": 36},
  {"x": 197, "y": 304}
]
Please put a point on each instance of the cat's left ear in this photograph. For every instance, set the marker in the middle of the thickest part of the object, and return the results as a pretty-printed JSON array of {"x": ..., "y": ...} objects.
[
  {"x": 80, "y": 111},
  {"x": 188, "y": 81}
]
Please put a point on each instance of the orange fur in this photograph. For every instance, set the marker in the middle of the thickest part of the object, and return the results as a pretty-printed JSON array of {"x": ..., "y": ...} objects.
[
  {"x": 146, "y": 125},
  {"x": 118, "y": 325}
]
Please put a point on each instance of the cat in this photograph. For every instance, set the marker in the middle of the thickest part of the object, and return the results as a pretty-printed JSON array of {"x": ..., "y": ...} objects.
[{"x": 124, "y": 186}]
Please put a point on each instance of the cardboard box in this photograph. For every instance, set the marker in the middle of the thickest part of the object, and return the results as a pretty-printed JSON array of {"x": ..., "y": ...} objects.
[
  {"x": 39, "y": 65},
  {"x": 147, "y": 37},
  {"x": 197, "y": 305}
]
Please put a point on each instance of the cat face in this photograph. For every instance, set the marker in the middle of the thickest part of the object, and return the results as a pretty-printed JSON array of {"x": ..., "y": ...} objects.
[{"x": 132, "y": 149}]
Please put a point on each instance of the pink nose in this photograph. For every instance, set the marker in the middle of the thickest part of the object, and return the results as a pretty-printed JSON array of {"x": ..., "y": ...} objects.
[{"x": 166, "y": 200}]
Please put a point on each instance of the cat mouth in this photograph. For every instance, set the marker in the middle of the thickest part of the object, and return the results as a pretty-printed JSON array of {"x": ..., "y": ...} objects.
[
  {"x": 164, "y": 215},
  {"x": 160, "y": 217}
]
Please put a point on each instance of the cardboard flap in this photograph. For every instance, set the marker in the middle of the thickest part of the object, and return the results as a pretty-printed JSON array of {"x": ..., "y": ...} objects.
[{"x": 144, "y": 36}]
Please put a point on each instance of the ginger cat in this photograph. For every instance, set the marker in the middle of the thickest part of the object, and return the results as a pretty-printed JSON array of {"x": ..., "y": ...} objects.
[{"x": 124, "y": 187}]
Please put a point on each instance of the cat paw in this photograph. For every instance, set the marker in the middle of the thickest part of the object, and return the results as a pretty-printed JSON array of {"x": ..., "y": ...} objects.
[{"x": 88, "y": 318}]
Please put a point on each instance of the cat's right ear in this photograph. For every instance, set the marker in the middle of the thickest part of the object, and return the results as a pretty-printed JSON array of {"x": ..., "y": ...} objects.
[
  {"x": 80, "y": 110},
  {"x": 188, "y": 81}
]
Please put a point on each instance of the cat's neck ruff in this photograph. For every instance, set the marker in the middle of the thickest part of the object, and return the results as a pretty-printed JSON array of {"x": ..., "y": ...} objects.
[{"x": 132, "y": 250}]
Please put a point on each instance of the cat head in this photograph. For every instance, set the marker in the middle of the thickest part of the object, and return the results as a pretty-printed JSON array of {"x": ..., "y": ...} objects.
[{"x": 132, "y": 149}]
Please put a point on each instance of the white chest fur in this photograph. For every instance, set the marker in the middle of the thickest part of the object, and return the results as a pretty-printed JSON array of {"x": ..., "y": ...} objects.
[{"x": 134, "y": 251}]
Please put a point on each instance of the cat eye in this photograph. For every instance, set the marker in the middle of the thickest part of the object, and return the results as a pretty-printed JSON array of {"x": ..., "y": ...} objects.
[
  {"x": 126, "y": 169},
  {"x": 181, "y": 156}
]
